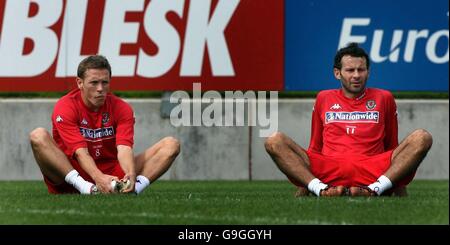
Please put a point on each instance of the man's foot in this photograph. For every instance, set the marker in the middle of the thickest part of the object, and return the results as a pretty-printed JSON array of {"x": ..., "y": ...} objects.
[
  {"x": 356, "y": 191},
  {"x": 334, "y": 191},
  {"x": 301, "y": 192},
  {"x": 121, "y": 185}
]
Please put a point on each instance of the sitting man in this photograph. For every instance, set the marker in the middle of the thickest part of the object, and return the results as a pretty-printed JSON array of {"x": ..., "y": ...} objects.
[
  {"x": 354, "y": 139},
  {"x": 92, "y": 144}
]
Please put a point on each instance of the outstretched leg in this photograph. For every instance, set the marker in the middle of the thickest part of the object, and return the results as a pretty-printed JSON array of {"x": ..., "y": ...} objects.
[
  {"x": 293, "y": 161},
  {"x": 156, "y": 160},
  {"x": 405, "y": 159},
  {"x": 53, "y": 162}
]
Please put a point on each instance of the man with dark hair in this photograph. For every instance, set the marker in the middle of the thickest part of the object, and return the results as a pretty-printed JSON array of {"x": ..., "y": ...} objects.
[
  {"x": 354, "y": 147},
  {"x": 92, "y": 146}
]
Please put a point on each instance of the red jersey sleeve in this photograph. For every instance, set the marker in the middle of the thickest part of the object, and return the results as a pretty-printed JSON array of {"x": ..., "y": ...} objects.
[
  {"x": 316, "y": 141},
  {"x": 65, "y": 123},
  {"x": 125, "y": 123},
  {"x": 391, "y": 123}
]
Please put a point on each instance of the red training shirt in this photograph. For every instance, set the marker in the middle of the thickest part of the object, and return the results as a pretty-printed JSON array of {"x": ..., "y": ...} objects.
[
  {"x": 75, "y": 126},
  {"x": 366, "y": 125}
]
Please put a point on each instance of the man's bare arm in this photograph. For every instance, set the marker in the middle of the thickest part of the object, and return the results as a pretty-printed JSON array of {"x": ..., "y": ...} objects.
[
  {"x": 125, "y": 156},
  {"x": 87, "y": 163}
]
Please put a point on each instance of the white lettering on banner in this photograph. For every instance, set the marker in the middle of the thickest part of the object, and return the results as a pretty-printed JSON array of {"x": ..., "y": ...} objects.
[
  {"x": 116, "y": 31},
  {"x": 346, "y": 31},
  {"x": 17, "y": 26},
  {"x": 375, "y": 50},
  {"x": 71, "y": 38},
  {"x": 431, "y": 47},
  {"x": 201, "y": 31},
  {"x": 394, "y": 54},
  {"x": 163, "y": 35}
]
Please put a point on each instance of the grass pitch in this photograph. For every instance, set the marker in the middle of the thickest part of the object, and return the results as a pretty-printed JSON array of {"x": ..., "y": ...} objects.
[{"x": 221, "y": 202}]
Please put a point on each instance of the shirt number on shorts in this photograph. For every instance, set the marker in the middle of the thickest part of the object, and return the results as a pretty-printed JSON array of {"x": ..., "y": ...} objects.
[{"x": 97, "y": 152}]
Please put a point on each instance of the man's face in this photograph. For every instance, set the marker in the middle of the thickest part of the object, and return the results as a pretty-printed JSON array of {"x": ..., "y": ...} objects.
[
  {"x": 353, "y": 75},
  {"x": 94, "y": 87}
]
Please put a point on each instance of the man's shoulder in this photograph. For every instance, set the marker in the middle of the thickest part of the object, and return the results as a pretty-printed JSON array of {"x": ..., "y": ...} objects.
[
  {"x": 118, "y": 104},
  {"x": 386, "y": 94},
  {"x": 67, "y": 100},
  {"x": 379, "y": 90}
]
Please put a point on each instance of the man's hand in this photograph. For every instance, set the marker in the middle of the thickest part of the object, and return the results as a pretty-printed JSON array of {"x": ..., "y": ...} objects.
[
  {"x": 103, "y": 183},
  {"x": 87, "y": 163},
  {"x": 126, "y": 160},
  {"x": 132, "y": 179}
]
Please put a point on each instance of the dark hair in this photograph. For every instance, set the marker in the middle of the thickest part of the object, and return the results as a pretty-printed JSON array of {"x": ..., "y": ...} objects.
[
  {"x": 93, "y": 62},
  {"x": 353, "y": 50}
]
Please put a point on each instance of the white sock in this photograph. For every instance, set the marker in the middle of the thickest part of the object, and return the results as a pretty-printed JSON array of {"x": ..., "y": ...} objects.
[
  {"x": 141, "y": 183},
  {"x": 74, "y": 178},
  {"x": 382, "y": 184},
  {"x": 315, "y": 186}
]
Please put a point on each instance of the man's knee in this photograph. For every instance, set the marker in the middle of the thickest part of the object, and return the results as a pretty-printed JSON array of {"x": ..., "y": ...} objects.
[
  {"x": 274, "y": 141},
  {"x": 39, "y": 136},
  {"x": 171, "y": 145},
  {"x": 423, "y": 138}
]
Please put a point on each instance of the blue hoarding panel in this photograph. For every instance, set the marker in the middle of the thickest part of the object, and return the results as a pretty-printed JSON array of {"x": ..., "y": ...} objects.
[{"x": 407, "y": 41}]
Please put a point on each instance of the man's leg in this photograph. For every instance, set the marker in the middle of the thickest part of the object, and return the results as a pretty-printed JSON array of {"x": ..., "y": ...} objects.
[
  {"x": 155, "y": 161},
  {"x": 293, "y": 161},
  {"x": 405, "y": 159},
  {"x": 53, "y": 162}
]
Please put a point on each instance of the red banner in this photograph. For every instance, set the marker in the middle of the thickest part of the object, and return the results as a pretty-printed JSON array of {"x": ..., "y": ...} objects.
[{"x": 151, "y": 45}]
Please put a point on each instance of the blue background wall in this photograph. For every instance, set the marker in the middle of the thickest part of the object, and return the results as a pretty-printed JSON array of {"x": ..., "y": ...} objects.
[{"x": 313, "y": 30}]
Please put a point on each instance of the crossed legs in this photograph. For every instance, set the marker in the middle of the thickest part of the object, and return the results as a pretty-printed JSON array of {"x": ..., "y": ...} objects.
[{"x": 293, "y": 161}]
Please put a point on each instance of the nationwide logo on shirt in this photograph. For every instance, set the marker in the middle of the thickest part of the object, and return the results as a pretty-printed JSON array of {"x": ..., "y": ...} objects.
[
  {"x": 352, "y": 117},
  {"x": 97, "y": 134}
]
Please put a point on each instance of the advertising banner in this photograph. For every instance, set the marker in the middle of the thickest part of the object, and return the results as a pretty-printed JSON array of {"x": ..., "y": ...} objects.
[
  {"x": 151, "y": 45},
  {"x": 222, "y": 44},
  {"x": 407, "y": 41}
]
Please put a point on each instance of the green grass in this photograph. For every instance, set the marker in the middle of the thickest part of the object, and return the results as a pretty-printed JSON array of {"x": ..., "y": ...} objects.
[{"x": 220, "y": 202}]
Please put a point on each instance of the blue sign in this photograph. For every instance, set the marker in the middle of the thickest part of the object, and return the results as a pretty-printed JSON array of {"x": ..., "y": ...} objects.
[{"x": 407, "y": 41}]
